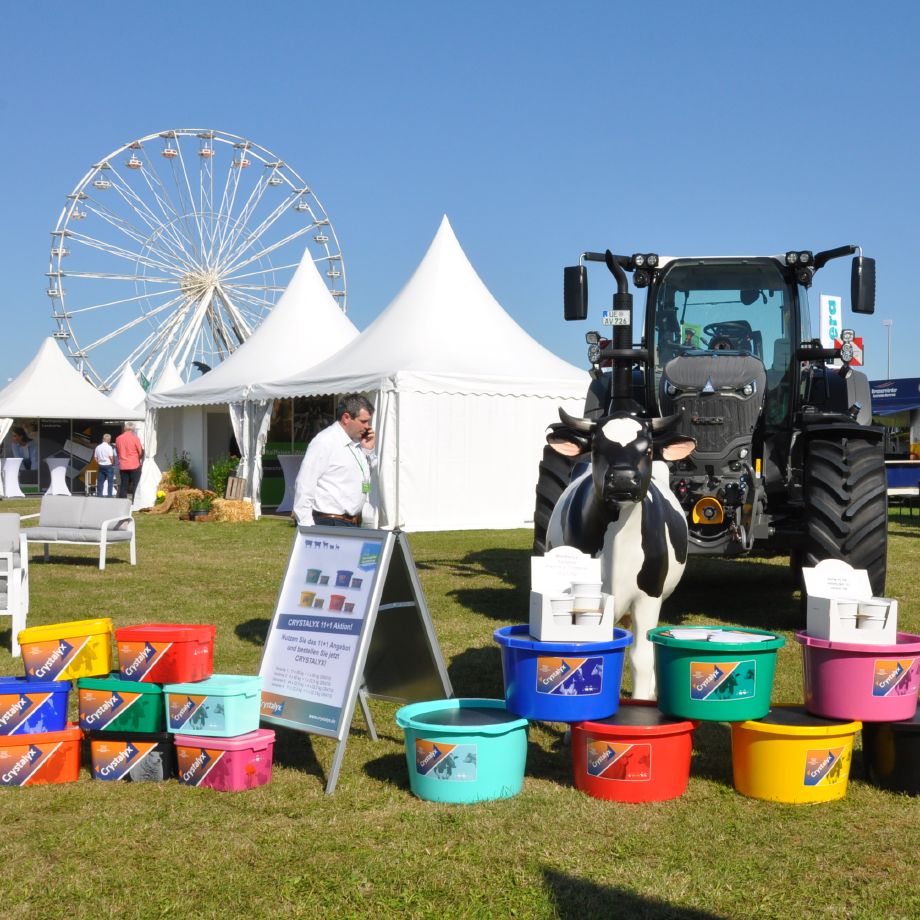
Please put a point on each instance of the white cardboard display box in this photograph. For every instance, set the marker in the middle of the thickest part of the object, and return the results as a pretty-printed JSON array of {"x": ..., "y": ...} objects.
[
  {"x": 831, "y": 581},
  {"x": 553, "y": 574}
]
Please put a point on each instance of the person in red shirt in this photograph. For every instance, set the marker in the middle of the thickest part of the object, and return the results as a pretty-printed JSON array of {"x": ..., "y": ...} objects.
[{"x": 130, "y": 457}]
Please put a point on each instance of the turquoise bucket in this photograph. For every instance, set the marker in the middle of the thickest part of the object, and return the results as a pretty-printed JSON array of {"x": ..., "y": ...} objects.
[{"x": 464, "y": 750}]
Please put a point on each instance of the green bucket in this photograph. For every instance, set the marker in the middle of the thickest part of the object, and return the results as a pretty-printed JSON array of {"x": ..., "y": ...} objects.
[
  {"x": 111, "y": 704},
  {"x": 713, "y": 680}
]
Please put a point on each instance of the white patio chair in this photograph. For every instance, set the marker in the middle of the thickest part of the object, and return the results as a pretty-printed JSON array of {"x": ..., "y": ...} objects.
[{"x": 14, "y": 576}]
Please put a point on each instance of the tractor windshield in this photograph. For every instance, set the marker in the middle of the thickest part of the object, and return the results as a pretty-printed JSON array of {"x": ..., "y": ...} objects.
[{"x": 729, "y": 306}]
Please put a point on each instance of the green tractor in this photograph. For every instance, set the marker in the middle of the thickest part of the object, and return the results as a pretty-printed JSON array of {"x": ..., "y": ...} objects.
[{"x": 787, "y": 459}]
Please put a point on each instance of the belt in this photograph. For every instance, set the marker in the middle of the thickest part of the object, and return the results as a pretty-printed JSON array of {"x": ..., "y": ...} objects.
[{"x": 351, "y": 518}]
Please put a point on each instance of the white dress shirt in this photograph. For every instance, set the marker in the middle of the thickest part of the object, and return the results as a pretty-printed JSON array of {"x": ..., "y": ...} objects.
[{"x": 332, "y": 475}]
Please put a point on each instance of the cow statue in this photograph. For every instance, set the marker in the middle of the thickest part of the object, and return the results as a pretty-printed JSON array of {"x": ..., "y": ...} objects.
[{"x": 623, "y": 510}]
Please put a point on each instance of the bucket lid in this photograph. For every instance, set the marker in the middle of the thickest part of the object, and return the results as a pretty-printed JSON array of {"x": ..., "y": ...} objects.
[
  {"x": 519, "y": 637},
  {"x": 639, "y": 718},
  {"x": 797, "y": 720},
  {"x": 661, "y": 636},
  {"x": 22, "y": 685},
  {"x": 487, "y": 717},
  {"x": 139, "y": 737},
  {"x": 70, "y": 732},
  {"x": 907, "y": 644},
  {"x": 219, "y": 685},
  {"x": 65, "y": 631},
  {"x": 258, "y": 740},
  {"x": 165, "y": 632},
  {"x": 114, "y": 683}
]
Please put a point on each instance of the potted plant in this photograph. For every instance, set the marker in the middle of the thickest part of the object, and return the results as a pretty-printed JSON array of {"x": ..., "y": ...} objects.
[{"x": 200, "y": 507}]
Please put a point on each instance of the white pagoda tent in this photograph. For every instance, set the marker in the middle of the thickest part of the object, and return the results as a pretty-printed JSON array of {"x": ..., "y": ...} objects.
[{"x": 463, "y": 396}]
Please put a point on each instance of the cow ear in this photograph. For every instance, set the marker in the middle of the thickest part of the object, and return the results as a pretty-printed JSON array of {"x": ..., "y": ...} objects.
[
  {"x": 673, "y": 446},
  {"x": 567, "y": 441}
]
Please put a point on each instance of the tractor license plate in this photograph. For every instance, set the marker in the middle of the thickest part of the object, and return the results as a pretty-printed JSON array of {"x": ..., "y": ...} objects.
[{"x": 616, "y": 317}]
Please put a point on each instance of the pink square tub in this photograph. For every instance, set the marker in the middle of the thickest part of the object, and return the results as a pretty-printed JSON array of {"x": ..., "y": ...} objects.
[{"x": 226, "y": 764}]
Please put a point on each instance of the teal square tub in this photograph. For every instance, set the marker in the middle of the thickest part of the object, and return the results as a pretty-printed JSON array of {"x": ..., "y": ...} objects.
[{"x": 223, "y": 706}]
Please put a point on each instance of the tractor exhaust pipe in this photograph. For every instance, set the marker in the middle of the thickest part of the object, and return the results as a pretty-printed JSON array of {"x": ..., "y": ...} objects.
[{"x": 621, "y": 369}]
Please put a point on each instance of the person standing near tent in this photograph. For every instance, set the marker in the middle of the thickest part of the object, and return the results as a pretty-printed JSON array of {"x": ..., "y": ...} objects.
[
  {"x": 335, "y": 477},
  {"x": 105, "y": 460},
  {"x": 25, "y": 448},
  {"x": 130, "y": 456}
]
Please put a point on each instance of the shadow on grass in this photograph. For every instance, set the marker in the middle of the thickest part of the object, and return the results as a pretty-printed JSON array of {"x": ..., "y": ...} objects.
[
  {"x": 294, "y": 749},
  {"x": 580, "y": 899},
  {"x": 554, "y": 765},
  {"x": 712, "y": 753},
  {"x": 389, "y": 769},
  {"x": 511, "y": 566},
  {"x": 477, "y": 672},
  {"x": 38, "y": 560},
  {"x": 253, "y": 631}
]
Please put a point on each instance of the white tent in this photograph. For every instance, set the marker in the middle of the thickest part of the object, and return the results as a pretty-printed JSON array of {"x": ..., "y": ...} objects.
[
  {"x": 51, "y": 388},
  {"x": 303, "y": 328},
  {"x": 146, "y": 492},
  {"x": 463, "y": 396},
  {"x": 128, "y": 392}
]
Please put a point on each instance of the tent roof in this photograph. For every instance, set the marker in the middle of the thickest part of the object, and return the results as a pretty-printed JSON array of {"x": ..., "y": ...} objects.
[
  {"x": 168, "y": 380},
  {"x": 51, "y": 388},
  {"x": 304, "y": 327},
  {"x": 128, "y": 392},
  {"x": 443, "y": 332}
]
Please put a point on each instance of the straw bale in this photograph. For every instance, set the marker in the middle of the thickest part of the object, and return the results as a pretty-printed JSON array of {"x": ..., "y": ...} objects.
[
  {"x": 177, "y": 500},
  {"x": 223, "y": 509}
]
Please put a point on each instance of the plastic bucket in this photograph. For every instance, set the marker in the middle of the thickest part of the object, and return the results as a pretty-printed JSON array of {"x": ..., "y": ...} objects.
[
  {"x": 223, "y": 706},
  {"x": 226, "y": 764},
  {"x": 637, "y": 755},
  {"x": 891, "y": 752},
  {"x": 136, "y": 757},
  {"x": 561, "y": 681},
  {"x": 873, "y": 683},
  {"x": 112, "y": 704},
  {"x": 162, "y": 653},
  {"x": 792, "y": 756},
  {"x": 33, "y": 760},
  {"x": 32, "y": 707},
  {"x": 464, "y": 750},
  {"x": 66, "y": 651},
  {"x": 714, "y": 681}
]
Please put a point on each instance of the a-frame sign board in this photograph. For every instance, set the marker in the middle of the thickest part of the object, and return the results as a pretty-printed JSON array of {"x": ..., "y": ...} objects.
[{"x": 350, "y": 623}]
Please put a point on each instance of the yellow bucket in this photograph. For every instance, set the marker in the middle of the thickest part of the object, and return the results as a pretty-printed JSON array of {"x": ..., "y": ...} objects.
[
  {"x": 792, "y": 756},
  {"x": 66, "y": 651}
]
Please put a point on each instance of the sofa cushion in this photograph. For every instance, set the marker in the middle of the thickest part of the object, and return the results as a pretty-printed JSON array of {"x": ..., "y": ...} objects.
[
  {"x": 84, "y": 535},
  {"x": 17, "y": 563},
  {"x": 97, "y": 510},
  {"x": 61, "y": 510},
  {"x": 9, "y": 531}
]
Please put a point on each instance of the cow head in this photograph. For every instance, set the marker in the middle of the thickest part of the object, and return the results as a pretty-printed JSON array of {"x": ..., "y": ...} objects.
[{"x": 622, "y": 450}]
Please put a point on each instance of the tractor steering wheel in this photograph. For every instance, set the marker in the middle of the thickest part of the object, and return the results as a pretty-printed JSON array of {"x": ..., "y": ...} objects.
[{"x": 722, "y": 334}]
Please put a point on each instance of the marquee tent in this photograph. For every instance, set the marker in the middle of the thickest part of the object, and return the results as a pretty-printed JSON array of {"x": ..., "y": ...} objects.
[
  {"x": 51, "y": 388},
  {"x": 128, "y": 392},
  {"x": 304, "y": 327},
  {"x": 463, "y": 396},
  {"x": 146, "y": 492}
]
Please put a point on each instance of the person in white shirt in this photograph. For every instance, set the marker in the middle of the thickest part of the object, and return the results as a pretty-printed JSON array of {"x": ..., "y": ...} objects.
[
  {"x": 105, "y": 459},
  {"x": 335, "y": 476}
]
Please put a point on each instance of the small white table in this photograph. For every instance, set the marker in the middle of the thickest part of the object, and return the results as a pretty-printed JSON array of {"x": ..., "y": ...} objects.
[
  {"x": 58, "y": 468},
  {"x": 290, "y": 466},
  {"x": 10, "y": 468}
]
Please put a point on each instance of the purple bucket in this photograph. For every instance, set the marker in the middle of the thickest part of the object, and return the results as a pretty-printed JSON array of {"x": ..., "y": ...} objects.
[{"x": 857, "y": 681}]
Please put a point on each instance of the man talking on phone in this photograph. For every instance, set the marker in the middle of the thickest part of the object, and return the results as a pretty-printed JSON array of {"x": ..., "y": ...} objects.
[{"x": 335, "y": 477}]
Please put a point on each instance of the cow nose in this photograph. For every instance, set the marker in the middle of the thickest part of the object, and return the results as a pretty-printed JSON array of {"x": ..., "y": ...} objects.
[{"x": 622, "y": 478}]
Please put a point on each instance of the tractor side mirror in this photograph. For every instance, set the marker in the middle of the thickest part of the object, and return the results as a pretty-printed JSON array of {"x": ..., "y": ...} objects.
[
  {"x": 576, "y": 292},
  {"x": 862, "y": 285}
]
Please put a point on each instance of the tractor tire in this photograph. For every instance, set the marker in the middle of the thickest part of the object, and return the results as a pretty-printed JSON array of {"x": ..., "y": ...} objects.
[
  {"x": 846, "y": 506},
  {"x": 555, "y": 473}
]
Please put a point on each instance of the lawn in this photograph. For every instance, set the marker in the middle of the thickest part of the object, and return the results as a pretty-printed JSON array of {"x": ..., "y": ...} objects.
[{"x": 99, "y": 850}]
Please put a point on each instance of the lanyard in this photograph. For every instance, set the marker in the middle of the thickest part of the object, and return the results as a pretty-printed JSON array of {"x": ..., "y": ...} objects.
[{"x": 365, "y": 482}]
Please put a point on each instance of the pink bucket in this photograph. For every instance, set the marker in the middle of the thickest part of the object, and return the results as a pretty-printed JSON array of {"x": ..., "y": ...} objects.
[
  {"x": 856, "y": 681},
  {"x": 227, "y": 764}
]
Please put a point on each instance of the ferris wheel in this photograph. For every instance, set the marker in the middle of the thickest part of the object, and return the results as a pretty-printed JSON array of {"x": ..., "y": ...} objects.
[{"x": 177, "y": 246}]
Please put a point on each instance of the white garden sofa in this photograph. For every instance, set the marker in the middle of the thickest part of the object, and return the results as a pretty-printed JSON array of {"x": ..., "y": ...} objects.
[
  {"x": 82, "y": 520},
  {"x": 14, "y": 576}
]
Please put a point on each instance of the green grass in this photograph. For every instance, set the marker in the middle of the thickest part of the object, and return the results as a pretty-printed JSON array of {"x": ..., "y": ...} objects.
[{"x": 99, "y": 850}]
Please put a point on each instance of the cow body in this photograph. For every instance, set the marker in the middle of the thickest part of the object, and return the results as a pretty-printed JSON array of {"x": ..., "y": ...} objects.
[{"x": 623, "y": 510}]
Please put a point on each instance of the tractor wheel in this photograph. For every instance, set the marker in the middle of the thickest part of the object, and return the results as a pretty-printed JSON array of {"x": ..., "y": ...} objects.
[
  {"x": 846, "y": 506},
  {"x": 555, "y": 472}
]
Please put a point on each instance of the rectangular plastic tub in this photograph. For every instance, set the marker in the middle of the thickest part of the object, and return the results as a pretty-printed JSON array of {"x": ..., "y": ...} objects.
[
  {"x": 136, "y": 757},
  {"x": 32, "y": 707},
  {"x": 223, "y": 706},
  {"x": 111, "y": 704},
  {"x": 226, "y": 764},
  {"x": 165, "y": 653},
  {"x": 66, "y": 651},
  {"x": 34, "y": 760}
]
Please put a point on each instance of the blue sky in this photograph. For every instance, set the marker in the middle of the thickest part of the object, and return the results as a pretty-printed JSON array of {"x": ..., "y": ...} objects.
[{"x": 540, "y": 129}]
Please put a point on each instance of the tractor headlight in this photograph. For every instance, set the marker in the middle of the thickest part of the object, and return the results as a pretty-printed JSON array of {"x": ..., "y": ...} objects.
[
  {"x": 638, "y": 260},
  {"x": 641, "y": 278},
  {"x": 804, "y": 276},
  {"x": 594, "y": 353},
  {"x": 748, "y": 390},
  {"x": 792, "y": 258},
  {"x": 805, "y": 258},
  {"x": 651, "y": 260},
  {"x": 670, "y": 389}
]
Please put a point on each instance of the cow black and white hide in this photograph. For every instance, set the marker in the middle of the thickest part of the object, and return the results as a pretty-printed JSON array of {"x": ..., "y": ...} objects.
[{"x": 623, "y": 510}]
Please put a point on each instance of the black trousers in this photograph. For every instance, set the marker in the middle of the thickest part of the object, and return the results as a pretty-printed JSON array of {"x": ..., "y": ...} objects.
[
  {"x": 130, "y": 480},
  {"x": 330, "y": 521}
]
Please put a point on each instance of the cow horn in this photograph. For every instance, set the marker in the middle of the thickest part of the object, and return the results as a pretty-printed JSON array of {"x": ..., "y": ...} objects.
[
  {"x": 579, "y": 424},
  {"x": 663, "y": 424}
]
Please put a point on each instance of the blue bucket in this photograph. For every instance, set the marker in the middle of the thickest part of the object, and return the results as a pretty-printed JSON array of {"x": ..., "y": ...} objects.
[
  {"x": 561, "y": 681},
  {"x": 32, "y": 707},
  {"x": 464, "y": 750}
]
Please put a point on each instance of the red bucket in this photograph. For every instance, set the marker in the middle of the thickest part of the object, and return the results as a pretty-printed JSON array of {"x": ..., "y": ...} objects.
[
  {"x": 162, "y": 653},
  {"x": 637, "y": 755}
]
